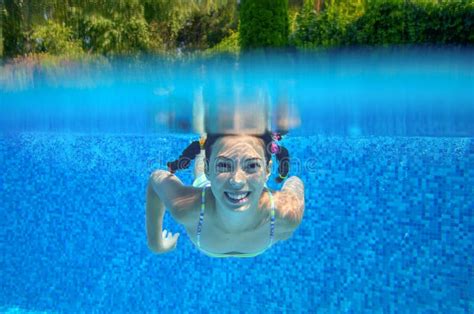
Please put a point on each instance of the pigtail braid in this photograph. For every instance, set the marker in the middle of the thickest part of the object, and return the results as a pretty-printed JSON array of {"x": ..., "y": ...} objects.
[
  {"x": 283, "y": 157},
  {"x": 184, "y": 160}
]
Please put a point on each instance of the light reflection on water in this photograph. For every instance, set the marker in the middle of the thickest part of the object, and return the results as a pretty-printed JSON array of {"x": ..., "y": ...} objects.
[{"x": 397, "y": 92}]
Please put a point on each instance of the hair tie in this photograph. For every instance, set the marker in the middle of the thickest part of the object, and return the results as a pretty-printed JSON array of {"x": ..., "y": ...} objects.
[
  {"x": 281, "y": 177},
  {"x": 274, "y": 148},
  {"x": 276, "y": 136},
  {"x": 202, "y": 141},
  {"x": 170, "y": 169}
]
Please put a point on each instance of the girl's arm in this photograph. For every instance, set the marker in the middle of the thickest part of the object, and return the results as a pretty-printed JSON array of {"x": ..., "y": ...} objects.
[
  {"x": 155, "y": 211},
  {"x": 290, "y": 204},
  {"x": 166, "y": 190}
]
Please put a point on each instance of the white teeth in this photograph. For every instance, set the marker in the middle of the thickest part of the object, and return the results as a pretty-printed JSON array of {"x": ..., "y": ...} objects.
[{"x": 238, "y": 196}]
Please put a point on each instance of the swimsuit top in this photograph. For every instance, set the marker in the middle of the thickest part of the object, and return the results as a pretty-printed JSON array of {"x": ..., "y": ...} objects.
[{"x": 201, "y": 219}]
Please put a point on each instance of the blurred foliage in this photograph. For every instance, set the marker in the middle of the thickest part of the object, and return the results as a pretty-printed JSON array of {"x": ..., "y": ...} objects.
[
  {"x": 378, "y": 22},
  {"x": 229, "y": 45},
  {"x": 116, "y": 27},
  {"x": 263, "y": 23},
  {"x": 166, "y": 18},
  {"x": 54, "y": 38},
  {"x": 206, "y": 28},
  {"x": 134, "y": 27},
  {"x": 12, "y": 22},
  {"x": 110, "y": 27},
  {"x": 1, "y": 36},
  {"x": 115, "y": 35},
  {"x": 294, "y": 6},
  {"x": 189, "y": 24}
]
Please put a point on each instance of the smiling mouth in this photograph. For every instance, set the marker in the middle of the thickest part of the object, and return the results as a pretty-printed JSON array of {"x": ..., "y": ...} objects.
[{"x": 237, "y": 198}]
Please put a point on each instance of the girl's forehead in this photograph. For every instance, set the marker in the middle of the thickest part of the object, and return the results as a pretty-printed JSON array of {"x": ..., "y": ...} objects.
[{"x": 238, "y": 146}]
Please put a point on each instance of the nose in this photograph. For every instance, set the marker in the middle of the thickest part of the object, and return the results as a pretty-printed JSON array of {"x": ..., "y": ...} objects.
[{"x": 238, "y": 178}]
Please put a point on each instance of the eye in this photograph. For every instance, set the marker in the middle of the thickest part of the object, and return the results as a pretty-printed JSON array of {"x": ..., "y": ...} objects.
[
  {"x": 223, "y": 166},
  {"x": 253, "y": 166}
]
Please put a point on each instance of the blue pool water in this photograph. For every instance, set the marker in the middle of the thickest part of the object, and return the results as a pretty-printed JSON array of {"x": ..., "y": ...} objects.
[{"x": 388, "y": 225}]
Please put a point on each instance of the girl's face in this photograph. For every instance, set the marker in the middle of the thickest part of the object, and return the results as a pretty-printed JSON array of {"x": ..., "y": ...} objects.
[{"x": 237, "y": 171}]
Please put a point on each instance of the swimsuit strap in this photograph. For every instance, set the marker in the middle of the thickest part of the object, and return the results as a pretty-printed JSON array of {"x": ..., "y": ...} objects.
[
  {"x": 201, "y": 216},
  {"x": 272, "y": 223}
]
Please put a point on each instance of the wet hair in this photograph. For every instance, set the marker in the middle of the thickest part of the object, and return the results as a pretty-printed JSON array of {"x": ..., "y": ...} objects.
[{"x": 271, "y": 146}]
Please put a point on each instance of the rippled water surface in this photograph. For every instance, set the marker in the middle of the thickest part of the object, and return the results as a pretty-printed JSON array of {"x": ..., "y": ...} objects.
[{"x": 403, "y": 92}]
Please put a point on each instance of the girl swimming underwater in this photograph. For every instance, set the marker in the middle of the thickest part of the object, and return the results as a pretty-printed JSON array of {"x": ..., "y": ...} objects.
[{"x": 229, "y": 211}]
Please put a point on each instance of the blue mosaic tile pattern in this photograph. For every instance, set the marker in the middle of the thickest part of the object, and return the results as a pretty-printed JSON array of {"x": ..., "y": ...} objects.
[{"x": 388, "y": 228}]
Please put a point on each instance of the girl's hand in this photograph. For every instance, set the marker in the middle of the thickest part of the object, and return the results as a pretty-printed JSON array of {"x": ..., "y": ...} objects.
[{"x": 168, "y": 241}]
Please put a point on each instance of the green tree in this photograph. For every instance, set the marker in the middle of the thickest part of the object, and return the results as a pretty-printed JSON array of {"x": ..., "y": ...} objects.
[
  {"x": 450, "y": 22},
  {"x": 327, "y": 27},
  {"x": 263, "y": 23},
  {"x": 12, "y": 26},
  {"x": 165, "y": 19},
  {"x": 306, "y": 33},
  {"x": 110, "y": 27},
  {"x": 54, "y": 38},
  {"x": 208, "y": 26},
  {"x": 189, "y": 24},
  {"x": 383, "y": 22}
]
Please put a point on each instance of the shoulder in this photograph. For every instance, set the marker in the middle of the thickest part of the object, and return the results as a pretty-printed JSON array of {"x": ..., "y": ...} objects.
[
  {"x": 180, "y": 200},
  {"x": 289, "y": 205}
]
